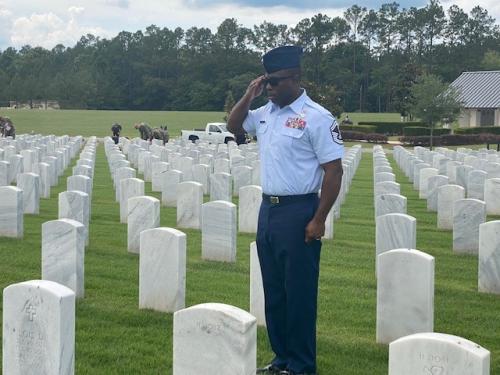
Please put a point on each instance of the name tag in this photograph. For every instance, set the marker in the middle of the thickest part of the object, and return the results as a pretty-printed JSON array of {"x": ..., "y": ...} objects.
[{"x": 296, "y": 123}]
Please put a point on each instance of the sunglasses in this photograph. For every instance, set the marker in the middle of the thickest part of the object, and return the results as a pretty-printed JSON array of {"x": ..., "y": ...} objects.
[{"x": 275, "y": 81}]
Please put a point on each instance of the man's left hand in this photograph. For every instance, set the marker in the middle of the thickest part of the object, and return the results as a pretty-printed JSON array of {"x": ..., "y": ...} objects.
[{"x": 315, "y": 229}]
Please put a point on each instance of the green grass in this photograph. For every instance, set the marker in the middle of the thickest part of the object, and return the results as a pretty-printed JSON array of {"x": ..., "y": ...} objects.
[
  {"x": 114, "y": 337},
  {"x": 98, "y": 123}
]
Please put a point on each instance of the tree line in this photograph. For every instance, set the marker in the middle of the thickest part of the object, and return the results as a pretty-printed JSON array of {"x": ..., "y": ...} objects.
[{"x": 365, "y": 61}]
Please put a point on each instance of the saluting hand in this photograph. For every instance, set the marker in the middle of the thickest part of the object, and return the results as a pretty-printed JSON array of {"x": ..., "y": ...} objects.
[{"x": 256, "y": 87}]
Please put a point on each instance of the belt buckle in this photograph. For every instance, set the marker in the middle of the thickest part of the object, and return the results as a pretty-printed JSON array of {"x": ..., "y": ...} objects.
[{"x": 274, "y": 200}]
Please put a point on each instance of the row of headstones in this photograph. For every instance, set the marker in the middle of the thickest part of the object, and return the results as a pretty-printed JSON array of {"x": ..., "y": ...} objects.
[
  {"x": 465, "y": 217},
  {"x": 39, "y": 337},
  {"x": 405, "y": 277},
  {"x": 394, "y": 229},
  {"x": 34, "y": 184},
  {"x": 188, "y": 198},
  {"x": 165, "y": 176},
  {"x": 400, "y": 311},
  {"x": 218, "y": 224},
  {"x": 476, "y": 172},
  {"x": 197, "y": 162},
  {"x": 31, "y": 153},
  {"x": 218, "y": 244},
  {"x": 64, "y": 240}
]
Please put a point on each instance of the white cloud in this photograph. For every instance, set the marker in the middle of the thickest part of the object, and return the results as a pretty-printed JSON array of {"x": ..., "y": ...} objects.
[
  {"x": 48, "y": 29},
  {"x": 118, "y": 3},
  {"x": 50, "y": 22},
  {"x": 5, "y": 13}
]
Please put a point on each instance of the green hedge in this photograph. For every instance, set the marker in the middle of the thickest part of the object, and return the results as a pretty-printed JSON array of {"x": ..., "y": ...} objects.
[
  {"x": 359, "y": 128},
  {"x": 479, "y": 130},
  {"x": 391, "y": 128},
  {"x": 419, "y": 130}
]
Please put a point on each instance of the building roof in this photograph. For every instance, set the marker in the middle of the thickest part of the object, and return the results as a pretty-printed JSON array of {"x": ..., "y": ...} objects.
[{"x": 479, "y": 89}]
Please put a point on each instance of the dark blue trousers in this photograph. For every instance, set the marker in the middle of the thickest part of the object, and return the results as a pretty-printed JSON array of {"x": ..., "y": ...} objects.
[{"x": 290, "y": 270}]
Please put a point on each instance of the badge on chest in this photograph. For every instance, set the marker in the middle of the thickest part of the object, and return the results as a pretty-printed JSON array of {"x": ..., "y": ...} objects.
[{"x": 296, "y": 123}]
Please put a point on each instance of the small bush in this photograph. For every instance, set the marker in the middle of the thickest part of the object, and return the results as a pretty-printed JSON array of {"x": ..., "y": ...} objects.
[
  {"x": 415, "y": 131},
  {"x": 420, "y": 131},
  {"x": 479, "y": 130},
  {"x": 391, "y": 128},
  {"x": 445, "y": 140},
  {"x": 358, "y": 128},
  {"x": 358, "y": 136}
]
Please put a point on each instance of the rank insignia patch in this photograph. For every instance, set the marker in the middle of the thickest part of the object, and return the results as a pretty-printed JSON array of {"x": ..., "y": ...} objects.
[
  {"x": 335, "y": 131},
  {"x": 296, "y": 123}
]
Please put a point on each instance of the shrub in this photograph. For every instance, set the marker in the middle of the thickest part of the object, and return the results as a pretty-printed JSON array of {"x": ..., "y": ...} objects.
[
  {"x": 444, "y": 140},
  {"x": 415, "y": 131},
  {"x": 358, "y": 128},
  {"x": 358, "y": 136},
  {"x": 391, "y": 128},
  {"x": 479, "y": 130},
  {"x": 418, "y": 131}
]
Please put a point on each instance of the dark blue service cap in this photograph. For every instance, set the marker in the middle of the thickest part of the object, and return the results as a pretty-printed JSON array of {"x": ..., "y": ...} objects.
[{"x": 285, "y": 57}]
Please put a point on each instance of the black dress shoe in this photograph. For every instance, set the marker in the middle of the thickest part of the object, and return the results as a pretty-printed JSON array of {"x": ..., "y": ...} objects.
[{"x": 269, "y": 370}]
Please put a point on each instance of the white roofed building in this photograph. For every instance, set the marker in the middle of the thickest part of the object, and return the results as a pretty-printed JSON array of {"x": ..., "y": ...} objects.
[{"x": 479, "y": 93}]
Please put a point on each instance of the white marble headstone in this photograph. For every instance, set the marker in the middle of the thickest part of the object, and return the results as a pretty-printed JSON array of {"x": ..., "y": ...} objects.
[
  {"x": 250, "y": 198},
  {"x": 489, "y": 257},
  {"x": 242, "y": 176},
  {"x": 214, "y": 338},
  {"x": 405, "y": 294},
  {"x": 220, "y": 187},
  {"x": 394, "y": 231},
  {"x": 63, "y": 253},
  {"x": 437, "y": 354},
  {"x": 158, "y": 169},
  {"x": 475, "y": 184},
  {"x": 4, "y": 173},
  {"x": 433, "y": 183},
  {"x": 38, "y": 328},
  {"x": 169, "y": 181},
  {"x": 447, "y": 196},
  {"x": 189, "y": 201},
  {"x": 492, "y": 196},
  {"x": 11, "y": 212},
  {"x": 257, "y": 303},
  {"x": 74, "y": 205},
  {"x": 143, "y": 213},
  {"x": 29, "y": 183},
  {"x": 390, "y": 204},
  {"x": 468, "y": 215},
  {"x": 218, "y": 231},
  {"x": 129, "y": 188},
  {"x": 162, "y": 269},
  {"x": 425, "y": 174}
]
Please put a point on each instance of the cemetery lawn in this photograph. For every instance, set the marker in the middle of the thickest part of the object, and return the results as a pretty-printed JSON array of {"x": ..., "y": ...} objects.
[
  {"x": 114, "y": 337},
  {"x": 98, "y": 123}
]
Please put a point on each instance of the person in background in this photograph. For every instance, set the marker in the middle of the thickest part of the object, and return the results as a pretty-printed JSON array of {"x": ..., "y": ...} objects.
[
  {"x": 116, "y": 129},
  {"x": 160, "y": 133},
  {"x": 8, "y": 128},
  {"x": 144, "y": 130},
  {"x": 301, "y": 151}
]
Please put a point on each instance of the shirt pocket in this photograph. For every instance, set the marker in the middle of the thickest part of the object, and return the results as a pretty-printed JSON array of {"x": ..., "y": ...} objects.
[
  {"x": 291, "y": 133},
  {"x": 262, "y": 128}
]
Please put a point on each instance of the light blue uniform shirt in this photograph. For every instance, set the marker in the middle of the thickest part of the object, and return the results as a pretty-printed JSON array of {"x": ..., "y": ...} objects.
[{"x": 293, "y": 143}]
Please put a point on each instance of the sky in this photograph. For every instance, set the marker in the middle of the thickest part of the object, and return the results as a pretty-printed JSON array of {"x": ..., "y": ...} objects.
[{"x": 47, "y": 23}]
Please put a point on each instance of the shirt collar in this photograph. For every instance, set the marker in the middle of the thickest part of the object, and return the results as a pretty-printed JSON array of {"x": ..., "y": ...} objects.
[{"x": 295, "y": 106}]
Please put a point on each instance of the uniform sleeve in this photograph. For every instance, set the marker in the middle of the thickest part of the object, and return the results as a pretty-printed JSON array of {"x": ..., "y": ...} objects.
[
  {"x": 251, "y": 121},
  {"x": 326, "y": 139}
]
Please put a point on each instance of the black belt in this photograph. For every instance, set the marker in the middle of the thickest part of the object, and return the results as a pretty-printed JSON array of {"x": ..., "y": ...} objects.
[{"x": 278, "y": 199}]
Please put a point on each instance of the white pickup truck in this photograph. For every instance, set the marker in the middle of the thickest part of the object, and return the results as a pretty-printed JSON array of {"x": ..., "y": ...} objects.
[{"x": 215, "y": 132}]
